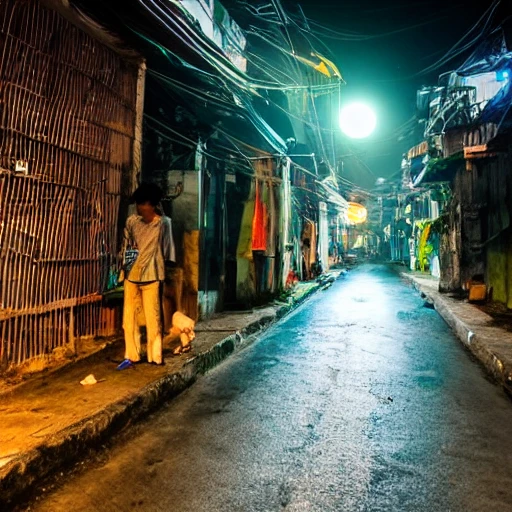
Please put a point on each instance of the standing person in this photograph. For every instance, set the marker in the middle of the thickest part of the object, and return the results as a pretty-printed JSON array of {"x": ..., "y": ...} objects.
[{"x": 149, "y": 235}]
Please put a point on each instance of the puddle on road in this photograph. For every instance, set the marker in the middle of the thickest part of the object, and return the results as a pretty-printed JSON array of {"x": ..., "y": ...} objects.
[
  {"x": 428, "y": 379},
  {"x": 409, "y": 315}
]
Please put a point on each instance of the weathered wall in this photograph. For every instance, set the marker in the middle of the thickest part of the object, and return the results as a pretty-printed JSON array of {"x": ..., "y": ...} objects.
[
  {"x": 478, "y": 241},
  {"x": 496, "y": 275},
  {"x": 184, "y": 213},
  {"x": 450, "y": 249},
  {"x": 492, "y": 194}
]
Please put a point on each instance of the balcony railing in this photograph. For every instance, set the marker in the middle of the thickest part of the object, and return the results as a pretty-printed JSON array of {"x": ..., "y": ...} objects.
[{"x": 455, "y": 106}]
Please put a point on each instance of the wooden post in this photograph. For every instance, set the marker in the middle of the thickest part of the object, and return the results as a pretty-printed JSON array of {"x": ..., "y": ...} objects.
[{"x": 137, "y": 142}]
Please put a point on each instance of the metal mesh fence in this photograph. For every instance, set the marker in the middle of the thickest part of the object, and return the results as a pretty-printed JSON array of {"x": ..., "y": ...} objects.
[{"x": 67, "y": 121}]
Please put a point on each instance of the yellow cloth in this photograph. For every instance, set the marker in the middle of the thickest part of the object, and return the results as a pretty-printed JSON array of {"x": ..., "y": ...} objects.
[
  {"x": 145, "y": 297},
  {"x": 245, "y": 288},
  {"x": 191, "y": 260},
  {"x": 244, "y": 248}
]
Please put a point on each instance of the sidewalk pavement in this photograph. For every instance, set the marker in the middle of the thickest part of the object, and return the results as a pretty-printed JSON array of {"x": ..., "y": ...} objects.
[
  {"x": 478, "y": 331},
  {"x": 51, "y": 420}
]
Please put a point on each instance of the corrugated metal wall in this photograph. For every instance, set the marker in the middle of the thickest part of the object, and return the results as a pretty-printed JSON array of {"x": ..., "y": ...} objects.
[{"x": 67, "y": 120}]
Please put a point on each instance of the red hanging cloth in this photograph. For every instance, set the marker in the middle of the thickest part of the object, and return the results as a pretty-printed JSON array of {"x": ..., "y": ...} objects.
[{"x": 259, "y": 222}]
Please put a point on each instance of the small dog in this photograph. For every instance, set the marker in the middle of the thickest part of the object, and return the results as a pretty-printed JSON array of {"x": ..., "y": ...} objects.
[{"x": 182, "y": 328}]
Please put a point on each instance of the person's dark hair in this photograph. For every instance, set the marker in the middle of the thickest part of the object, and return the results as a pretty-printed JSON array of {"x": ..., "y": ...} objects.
[{"x": 147, "y": 192}]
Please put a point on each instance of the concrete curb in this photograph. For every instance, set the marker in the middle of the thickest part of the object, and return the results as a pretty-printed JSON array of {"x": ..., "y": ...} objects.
[
  {"x": 66, "y": 447},
  {"x": 473, "y": 337}
]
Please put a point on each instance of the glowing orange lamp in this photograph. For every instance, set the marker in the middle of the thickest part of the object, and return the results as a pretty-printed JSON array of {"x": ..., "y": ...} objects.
[{"x": 356, "y": 213}]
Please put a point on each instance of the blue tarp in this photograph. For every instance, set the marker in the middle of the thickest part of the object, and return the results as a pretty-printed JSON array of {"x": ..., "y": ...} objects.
[
  {"x": 492, "y": 55},
  {"x": 496, "y": 110}
]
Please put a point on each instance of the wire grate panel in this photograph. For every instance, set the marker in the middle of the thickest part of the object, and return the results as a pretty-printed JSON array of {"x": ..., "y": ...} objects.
[{"x": 67, "y": 123}]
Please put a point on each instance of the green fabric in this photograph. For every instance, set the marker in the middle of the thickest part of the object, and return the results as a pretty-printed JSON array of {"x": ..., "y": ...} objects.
[{"x": 425, "y": 246}]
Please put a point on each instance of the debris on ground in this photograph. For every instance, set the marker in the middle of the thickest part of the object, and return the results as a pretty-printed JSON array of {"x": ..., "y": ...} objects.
[{"x": 89, "y": 380}]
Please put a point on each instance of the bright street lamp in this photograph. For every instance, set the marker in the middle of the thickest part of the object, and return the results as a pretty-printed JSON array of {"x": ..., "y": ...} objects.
[{"x": 357, "y": 120}]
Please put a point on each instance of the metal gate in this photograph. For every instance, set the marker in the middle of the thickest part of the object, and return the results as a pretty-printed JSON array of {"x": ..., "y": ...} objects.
[{"x": 67, "y": 121}]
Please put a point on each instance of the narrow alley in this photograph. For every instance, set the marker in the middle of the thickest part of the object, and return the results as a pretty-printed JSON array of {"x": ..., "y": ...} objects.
[
  {"x": 255, "y": 256},
  {"x": 362, "y": 400}
]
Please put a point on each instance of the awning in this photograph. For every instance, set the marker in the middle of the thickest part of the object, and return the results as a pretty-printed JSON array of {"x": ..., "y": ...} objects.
[
  {"x": 441, "y": 169},
  {"x": 322, "y": 65},
  {"x": 418, "y": 150},
  {"x": 333, "y": 197}
]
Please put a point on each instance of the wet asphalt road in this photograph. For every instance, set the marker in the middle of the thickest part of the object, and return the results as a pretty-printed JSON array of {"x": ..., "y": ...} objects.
[{"x": 362, "y": 400}]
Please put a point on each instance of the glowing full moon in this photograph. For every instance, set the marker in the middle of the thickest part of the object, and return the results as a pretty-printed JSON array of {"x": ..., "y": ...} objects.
[{"x": 357, "y": 120}]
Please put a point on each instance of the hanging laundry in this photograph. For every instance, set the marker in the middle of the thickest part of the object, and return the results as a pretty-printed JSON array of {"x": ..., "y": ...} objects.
[
  {"x": 309, "y": 247},
  {"x": 245, "y": 284},
  {"x": 313, "y": 242},
  {"x": 260, "y": 219},
  {"x": 244, "y": 247},
  {"x": 273, "y": 217}
]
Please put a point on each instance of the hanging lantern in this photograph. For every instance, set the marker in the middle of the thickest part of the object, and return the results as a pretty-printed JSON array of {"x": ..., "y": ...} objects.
[{"x": 356, "y": 213}]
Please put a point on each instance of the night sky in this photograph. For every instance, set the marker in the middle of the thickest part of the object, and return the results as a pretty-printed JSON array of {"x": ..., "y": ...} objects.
[{"x": 380, "y": 70}]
